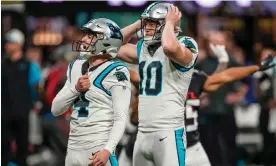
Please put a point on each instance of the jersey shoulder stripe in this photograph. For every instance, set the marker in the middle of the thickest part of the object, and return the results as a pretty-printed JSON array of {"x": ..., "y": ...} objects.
[
  {"x": 99, "y": 79},
  {"x": 139, "y": 47},
  {"x": 71, "y": 65},
  {"x": 70, "y": 69}
]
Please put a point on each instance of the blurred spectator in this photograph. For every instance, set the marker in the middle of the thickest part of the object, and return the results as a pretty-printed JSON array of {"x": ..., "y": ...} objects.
[
  {"x": 202, "y": 47},
  {"x": 57, "y": 73},
  {"x": 216, "y": 117},
  {"x": 266, "y": 91},
  {"x": 34, "y": 54},
  {"x": 248, "y": 138},
  {"x": 257, "y": 48},
  {"x": 19, "y": 80}
]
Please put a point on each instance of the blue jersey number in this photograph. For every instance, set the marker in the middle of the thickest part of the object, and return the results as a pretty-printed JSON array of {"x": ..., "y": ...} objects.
[
  {"x": 81, "y": 105},
  {"x": 150, "y": 90}
]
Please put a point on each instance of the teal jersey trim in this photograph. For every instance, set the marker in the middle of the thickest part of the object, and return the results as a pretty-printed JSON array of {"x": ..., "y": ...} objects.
[
  {"x": 70, "y": 69},
  {"x": 113, "y": 160},
  {"x": 182, "y": 68},
  {"x": 139, "y": 47},
  {"x": 180, "y": 146},
  {"x": 98, "y": 81}
]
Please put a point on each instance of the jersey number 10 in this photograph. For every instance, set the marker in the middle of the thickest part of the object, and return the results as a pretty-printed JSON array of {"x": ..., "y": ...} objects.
[{"x": 146, "y": 86}]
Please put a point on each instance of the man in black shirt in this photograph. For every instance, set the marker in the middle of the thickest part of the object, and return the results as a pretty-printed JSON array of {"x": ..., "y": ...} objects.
[
  {"x": 19, "y": 80},
  {"x": 266, "y": 90},
  {"x": 200, "y": 83}
]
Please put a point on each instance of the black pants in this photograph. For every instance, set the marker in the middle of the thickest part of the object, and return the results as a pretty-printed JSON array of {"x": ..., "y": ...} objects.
[
  {"x": 218, "y": 137},
  {"x": 17, "y": 129},
  {"x": 268, "y": 155}
]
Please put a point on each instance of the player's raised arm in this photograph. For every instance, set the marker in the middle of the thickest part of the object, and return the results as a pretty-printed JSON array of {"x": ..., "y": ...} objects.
[
  {"x": 215, "y": 81},
  {"x": 128, "y": 53},
  {"x": 130, "y": 30},
  {"x": 171, "y": 46}
]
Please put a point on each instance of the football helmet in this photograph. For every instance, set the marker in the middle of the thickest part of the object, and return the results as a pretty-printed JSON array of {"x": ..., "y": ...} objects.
[
  {"x": 156, "y": 13},
  {"x": 99, "y": 36}
]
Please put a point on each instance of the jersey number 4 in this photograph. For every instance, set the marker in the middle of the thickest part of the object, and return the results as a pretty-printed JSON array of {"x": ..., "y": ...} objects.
[
  {"x": 153, "y": 75},
  {"x": 81, "y": 105}
]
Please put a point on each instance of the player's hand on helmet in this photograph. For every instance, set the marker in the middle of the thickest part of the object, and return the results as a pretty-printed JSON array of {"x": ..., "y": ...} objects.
[
  {"x": 100, "y": 158},
  {"x": 83, "y": 83},
  {"x": 268, "y": 62},
  {"x": 220, "y": 52},
  {"x": 174, "y": 15}
]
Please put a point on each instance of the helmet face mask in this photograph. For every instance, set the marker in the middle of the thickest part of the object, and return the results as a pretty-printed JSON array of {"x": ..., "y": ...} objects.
[
  {"x": 86, "y": 42},
  {"x": 98, "y": 37}
]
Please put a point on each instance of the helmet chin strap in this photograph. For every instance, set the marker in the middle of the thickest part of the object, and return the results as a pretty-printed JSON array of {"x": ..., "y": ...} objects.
[
  {"x": 151, "y": 42},
  {"x": 111, "y": 51},
  {"x": 86, "y": 55},
  {"x": 149, "y": 39}
]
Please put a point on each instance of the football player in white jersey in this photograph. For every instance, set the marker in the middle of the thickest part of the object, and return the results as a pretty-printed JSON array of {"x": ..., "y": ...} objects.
[
  {"x": 202, "y": 83},
  {"x": 166, "y": 62},
  {"x": 98, "y": 89}
]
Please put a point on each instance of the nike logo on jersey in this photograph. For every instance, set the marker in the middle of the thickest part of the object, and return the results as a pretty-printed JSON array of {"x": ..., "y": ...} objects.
[
  {"x": 117, "y": 69},
  {"x": 161, "y": 139}
]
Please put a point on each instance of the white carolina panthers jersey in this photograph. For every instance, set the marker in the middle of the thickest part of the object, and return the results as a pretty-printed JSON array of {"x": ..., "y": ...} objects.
[
  {"x": 92, "y": 116},
  {"x": 163, "y": 87}
]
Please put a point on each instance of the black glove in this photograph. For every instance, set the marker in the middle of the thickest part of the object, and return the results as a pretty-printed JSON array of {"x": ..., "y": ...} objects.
[{"x": 268, "y": 62}]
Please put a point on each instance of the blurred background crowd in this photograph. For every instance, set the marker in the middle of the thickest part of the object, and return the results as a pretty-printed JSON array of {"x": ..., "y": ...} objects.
[{"x": 36, "y": 50}]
